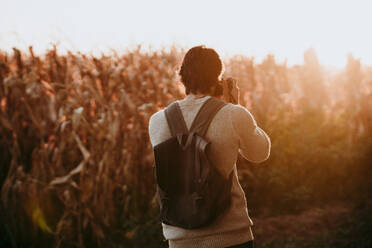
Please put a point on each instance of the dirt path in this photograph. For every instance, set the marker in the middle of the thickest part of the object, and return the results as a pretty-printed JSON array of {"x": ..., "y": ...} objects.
[{"x": 316, "y": 227}]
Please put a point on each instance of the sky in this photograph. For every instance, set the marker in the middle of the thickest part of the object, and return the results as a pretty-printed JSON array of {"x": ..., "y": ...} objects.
[{"x": 253, "y": 28}]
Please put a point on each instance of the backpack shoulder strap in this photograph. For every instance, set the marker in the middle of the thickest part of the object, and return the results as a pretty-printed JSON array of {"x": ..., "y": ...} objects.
[
  {"x": 205, "y": 115},
  {"x": 175, "y": 119}
]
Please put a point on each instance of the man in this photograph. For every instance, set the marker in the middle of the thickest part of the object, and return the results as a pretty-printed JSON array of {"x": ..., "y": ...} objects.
[{"x": 232, "y": 130}]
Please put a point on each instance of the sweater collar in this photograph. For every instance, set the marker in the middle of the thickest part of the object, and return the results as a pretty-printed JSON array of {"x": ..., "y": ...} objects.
[{"x": 196, "y": 97}]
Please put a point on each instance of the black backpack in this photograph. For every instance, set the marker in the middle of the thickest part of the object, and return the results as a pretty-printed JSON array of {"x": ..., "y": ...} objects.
[{"x": 191, "y": 192}]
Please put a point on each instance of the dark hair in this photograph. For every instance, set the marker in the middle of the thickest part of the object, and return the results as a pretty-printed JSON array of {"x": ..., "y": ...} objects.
[{"x": 200, "y": 70}]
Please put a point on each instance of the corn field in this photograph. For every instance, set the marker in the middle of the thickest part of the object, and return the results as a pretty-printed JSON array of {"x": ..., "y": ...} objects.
[{"x": 76, "y": 161}]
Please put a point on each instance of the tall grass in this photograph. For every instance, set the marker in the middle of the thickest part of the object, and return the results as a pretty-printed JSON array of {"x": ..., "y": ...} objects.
[{"x": 76, "y": 162}]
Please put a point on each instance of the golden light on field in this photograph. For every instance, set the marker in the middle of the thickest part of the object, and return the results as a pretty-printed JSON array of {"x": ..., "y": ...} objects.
[
  {"x": 254, "y": 28},
  {"x": 76, "y": 158}
]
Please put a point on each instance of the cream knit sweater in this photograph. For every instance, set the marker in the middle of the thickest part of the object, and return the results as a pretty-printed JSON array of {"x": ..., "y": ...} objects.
[{"x": 232, "y": 130}]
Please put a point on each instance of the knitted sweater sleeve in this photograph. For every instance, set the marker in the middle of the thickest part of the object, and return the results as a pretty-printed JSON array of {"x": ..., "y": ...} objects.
[{"x": 254, "y": 143}]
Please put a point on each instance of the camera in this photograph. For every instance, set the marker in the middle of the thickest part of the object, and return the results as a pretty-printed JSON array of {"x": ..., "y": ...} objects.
[{"x": 230, "y": 90}]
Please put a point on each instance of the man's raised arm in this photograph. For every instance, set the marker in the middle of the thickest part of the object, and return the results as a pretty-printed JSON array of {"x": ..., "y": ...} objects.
[{"x": 254, "y": 144}]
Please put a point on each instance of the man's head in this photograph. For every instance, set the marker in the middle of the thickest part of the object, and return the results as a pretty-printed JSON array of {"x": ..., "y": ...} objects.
[{"x": 201, "y": 70}]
